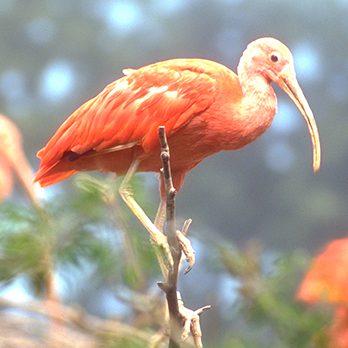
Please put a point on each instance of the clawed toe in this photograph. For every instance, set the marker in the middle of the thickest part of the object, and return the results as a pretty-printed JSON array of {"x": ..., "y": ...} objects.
[{"x": 187, "y": 249}]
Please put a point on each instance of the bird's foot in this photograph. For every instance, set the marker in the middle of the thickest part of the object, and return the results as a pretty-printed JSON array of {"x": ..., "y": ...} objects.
[
  {"x": 191, "y": 322},
  {"x": 187, "y": 249}
]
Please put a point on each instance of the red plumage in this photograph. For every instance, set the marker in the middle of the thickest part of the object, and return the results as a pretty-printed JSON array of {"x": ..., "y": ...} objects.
[
  {"x": 120, "y": 124},
  {"x": 204, "y": 106}
]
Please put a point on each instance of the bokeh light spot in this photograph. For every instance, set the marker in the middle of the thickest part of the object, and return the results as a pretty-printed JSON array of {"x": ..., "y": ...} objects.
[
  {"x": 57, "y": 80},
  {"x": 307, "y": 62},
  {"x": 121, "y": 16}
]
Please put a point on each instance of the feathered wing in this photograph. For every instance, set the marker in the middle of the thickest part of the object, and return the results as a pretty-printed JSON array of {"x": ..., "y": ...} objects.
[{"x": 130, "y": 110}]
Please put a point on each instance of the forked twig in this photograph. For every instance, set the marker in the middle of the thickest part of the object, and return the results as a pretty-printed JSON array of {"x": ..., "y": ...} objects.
[
  {"x": 182, "y": 320},
  {"x": 191, "y": 322},
  {"x": 170, "y": 285}
]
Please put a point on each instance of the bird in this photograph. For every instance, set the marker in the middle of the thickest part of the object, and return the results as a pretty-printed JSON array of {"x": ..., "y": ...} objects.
[
  {"x": 326, "y": 282},
  {"x": 326, "y": 279},
  {"x": 204, "y": 106},
  {"x": 13, "y": 162}
]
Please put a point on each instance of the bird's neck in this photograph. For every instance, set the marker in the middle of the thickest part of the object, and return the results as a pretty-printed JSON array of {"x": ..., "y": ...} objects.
[
  {"x": 259, "y": 97},
  {"x": 257, "y": 107},
  {"x": 255, "y": 85}
]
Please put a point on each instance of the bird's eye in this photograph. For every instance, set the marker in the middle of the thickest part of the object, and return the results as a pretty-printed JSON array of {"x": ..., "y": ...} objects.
[{"x": 274, "y": 57}]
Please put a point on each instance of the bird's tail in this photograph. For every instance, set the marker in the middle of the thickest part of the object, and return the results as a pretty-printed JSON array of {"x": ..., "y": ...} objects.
[{"x": 47, "y": 176}]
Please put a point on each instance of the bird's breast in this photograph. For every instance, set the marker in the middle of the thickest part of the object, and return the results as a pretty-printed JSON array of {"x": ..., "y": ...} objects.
[{"x": 237, "y": 124}]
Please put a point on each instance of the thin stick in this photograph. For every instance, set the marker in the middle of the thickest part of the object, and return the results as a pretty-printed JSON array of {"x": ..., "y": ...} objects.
[
  {"x": 182, "y": 321},
  {"x": 170, "y": 227},
  {"x": 170, "y": 286}
]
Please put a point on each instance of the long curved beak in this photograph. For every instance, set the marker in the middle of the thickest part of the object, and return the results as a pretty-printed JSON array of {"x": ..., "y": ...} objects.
[{"x": 288, "y": 83}]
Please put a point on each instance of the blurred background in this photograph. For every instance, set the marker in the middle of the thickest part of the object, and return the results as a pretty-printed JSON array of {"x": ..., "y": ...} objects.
[{"x": 258, "y": 213}]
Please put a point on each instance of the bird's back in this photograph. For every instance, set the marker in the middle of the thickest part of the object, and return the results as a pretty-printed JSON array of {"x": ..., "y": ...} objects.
[{"x": 129, "y": 111}]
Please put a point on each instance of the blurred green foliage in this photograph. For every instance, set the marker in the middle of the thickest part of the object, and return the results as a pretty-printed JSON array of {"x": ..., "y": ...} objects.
[
  {"x": 89, "y": 225},
  {"x": 77, "y": 226},
  {"x": 267, "y": 301}
]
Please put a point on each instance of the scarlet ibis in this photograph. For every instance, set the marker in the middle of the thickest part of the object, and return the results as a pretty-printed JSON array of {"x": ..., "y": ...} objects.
[
  {"x": 326, "y": 281},
  {"x": 204, "y": 106},
  {"x": 13, "y": 161},
  {"x": 327, "y": 278}
]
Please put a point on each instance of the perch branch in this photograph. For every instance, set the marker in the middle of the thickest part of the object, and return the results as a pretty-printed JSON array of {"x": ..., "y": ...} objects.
[
  {"x": 170, "y": 285},
  {"x": 182, "y": 320}
]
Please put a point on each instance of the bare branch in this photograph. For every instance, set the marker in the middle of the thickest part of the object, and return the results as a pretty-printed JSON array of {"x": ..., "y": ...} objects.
[
  {"x": 170, "y": 227},
  {"x": 182, "y": 321},
  {"x": 170, "y": 285}
]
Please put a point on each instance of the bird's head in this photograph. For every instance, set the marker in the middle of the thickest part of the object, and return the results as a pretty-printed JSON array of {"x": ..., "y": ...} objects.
[{"x": 271, "y": 59}]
